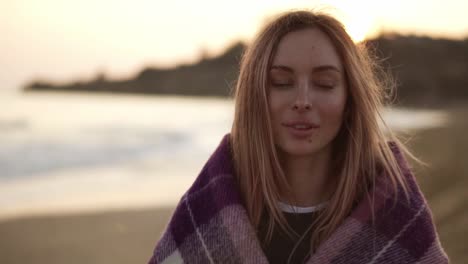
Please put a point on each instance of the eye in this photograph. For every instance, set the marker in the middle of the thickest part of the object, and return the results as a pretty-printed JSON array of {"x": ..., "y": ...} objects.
[
  {"x": 282, "y": 84},
  {"x": 281, "y": 79},
  {"x": 326, "y": 80},
  {"x": 325, "y": 84}
]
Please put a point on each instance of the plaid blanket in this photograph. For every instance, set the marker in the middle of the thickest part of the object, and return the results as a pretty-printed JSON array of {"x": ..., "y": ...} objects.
[{"x": 210, "y": 225}]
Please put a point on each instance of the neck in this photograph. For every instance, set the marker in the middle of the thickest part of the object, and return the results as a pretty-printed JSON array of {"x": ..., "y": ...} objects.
[{"x": 308, "y": 177}]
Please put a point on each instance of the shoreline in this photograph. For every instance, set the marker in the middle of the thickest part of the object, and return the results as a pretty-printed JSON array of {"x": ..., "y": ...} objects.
[{"x": 41, "y": 213}]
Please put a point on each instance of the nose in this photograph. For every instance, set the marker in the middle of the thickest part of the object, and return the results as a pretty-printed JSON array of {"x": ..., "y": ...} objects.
[{"x": 302, "y": 102}]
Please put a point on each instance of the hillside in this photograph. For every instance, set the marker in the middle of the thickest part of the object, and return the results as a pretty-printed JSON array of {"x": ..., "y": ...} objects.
[{"x": 428, "y": 72}]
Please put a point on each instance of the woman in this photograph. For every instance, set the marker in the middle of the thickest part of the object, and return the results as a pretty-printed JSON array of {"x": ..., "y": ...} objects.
[{"x": 307, "y": 173}]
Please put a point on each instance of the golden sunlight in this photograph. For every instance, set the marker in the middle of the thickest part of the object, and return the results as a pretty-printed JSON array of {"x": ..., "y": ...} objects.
[
  {"x": 360, "y": 28},
  {"x": 359, "y": 22}
]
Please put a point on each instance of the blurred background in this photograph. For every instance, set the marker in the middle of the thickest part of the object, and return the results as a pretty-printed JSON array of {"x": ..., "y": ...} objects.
[{"x": 109, "y": 109}]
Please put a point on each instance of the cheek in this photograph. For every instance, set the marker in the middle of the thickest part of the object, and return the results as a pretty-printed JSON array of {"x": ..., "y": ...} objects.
[
  {"x": 276, "y": 104},
  {"x": 336, "y": 107},
  {"x": 333, "y": 107}
]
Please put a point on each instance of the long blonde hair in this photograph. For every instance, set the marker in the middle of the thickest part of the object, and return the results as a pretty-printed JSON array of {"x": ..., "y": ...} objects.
[{"x": 360, "y": 147}]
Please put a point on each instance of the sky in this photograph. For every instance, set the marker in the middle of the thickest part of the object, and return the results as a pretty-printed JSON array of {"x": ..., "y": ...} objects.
[{"x": 66, "y": 40}]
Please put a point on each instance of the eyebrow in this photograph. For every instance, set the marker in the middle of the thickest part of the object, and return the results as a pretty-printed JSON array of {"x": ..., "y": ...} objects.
[{"x": 320, "y": 68}]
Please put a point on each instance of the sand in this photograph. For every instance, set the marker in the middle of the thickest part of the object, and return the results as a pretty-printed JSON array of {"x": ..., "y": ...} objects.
[{"x": 108, "y": 237}]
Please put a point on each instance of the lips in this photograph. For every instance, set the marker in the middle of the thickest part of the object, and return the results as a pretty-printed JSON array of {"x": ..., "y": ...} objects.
[
  {"x": 300, "y": 129},
  {"x": 300, "y": 125}
]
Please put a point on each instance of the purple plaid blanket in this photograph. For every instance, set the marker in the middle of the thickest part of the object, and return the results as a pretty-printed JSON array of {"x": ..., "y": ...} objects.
[{"x": 210, "y": 225}]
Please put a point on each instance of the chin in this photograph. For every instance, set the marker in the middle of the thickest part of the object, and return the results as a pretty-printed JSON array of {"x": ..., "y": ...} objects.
[{"x": 299, "y": 149}]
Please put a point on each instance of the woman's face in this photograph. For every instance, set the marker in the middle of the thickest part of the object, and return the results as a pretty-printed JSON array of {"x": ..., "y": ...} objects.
[{"x": 306, "y": 93}]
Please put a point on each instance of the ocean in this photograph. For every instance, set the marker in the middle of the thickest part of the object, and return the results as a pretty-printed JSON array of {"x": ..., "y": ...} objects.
[{"x": 74, "y": 152}]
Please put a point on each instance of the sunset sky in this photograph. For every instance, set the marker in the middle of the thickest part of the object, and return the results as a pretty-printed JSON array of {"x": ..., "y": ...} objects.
[{"x": 63, "y": 40}]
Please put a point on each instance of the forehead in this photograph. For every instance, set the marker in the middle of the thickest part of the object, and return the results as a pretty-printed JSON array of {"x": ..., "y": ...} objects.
[{"x": 306, "y": 49}]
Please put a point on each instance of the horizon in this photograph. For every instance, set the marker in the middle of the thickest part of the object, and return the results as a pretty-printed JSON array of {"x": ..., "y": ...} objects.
[{"x": 62, "y": 41}]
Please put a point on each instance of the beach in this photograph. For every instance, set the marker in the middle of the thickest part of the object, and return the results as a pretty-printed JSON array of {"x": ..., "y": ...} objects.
[
  {"x": 101, "y": 188},
  {"x": 126, "y": 236}
]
